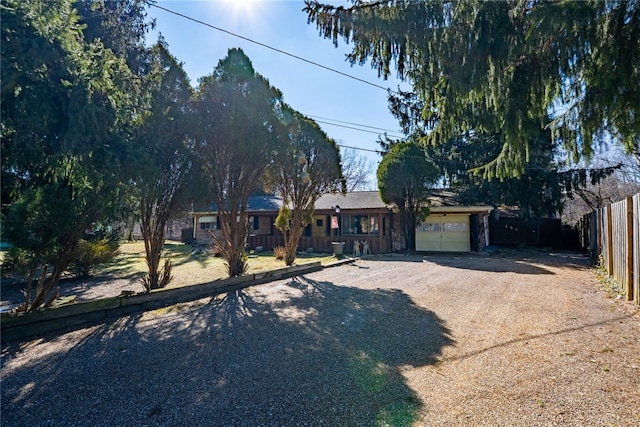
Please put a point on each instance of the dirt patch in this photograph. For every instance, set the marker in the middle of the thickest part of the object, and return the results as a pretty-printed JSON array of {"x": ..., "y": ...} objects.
[{"x": 522, "y": 338}]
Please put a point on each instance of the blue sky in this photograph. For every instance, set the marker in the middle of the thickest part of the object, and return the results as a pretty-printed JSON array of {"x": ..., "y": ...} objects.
[{"x": 281, "y": 24}]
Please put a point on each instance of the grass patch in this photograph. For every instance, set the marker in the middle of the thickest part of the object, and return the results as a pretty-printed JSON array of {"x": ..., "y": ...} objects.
[
  {"x": 190, "y": 265},
  {"x": 611, "y": 285},
  {"x": 399, "y": 414}
]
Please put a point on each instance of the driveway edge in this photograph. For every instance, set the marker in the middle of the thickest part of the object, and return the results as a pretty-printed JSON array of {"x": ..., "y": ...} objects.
[{"x": 15, "y": 327}]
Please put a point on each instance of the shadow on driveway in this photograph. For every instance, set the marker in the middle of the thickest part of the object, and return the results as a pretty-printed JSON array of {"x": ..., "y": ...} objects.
[
  {"x": 511, "y": 261},
  {"x": 298, "y": 352}
]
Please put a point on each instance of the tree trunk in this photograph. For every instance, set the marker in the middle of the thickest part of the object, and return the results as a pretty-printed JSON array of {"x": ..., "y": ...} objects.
[
  {"x": 408, "y": 223},
  {"x": 232, "y": 241},
  {"x": 291, "y": 245},
  {"x": 45, "y": 293},
  {"x": 154, "y": 217}
]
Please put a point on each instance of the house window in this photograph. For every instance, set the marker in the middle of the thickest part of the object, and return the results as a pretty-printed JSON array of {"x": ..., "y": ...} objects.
[
  {"x": 207, "y": 222},
  {"x": 319, "y": 223},
  {"x": 359, "y": 224},
  {"x": 255, "y": 222}
]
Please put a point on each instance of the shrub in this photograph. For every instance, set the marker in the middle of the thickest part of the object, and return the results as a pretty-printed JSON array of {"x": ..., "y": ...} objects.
[
  {"x": 279, "y": 252},
  {"x": 163, "y": 279},
  {"x": 91, "y": 253},
  {"x": 17, "y": 260}
]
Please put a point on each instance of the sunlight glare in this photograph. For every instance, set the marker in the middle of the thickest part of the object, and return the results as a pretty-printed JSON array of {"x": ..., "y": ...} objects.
[{"x": 244, "y": 11}]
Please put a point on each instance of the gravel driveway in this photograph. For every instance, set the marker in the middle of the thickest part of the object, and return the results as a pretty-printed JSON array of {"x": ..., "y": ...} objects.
[{"x": 517, "y": 339}]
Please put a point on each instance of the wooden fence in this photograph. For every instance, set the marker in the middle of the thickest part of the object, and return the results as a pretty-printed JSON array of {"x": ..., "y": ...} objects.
[
  {"x": 613, "y": 233},
  {"x": 544, "y": 232}
]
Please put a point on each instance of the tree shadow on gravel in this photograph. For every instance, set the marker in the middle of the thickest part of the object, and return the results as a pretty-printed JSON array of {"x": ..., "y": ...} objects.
[
  {"x": 494, "y": 264},
  {"x": 82, "y": 288},
  {"x": 299, "y": 352}
]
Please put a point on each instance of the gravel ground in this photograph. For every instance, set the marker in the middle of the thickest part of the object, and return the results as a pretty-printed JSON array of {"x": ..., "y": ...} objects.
[{"x": 524, "y": 339}]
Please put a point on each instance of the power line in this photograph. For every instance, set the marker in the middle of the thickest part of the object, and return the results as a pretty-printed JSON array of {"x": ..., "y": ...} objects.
[
  {"x": 354, "y": 128},
  {"x": 273, "y": 48},
  {"x": 361, "y": 149},
  {"x": 354, "y": 124}
]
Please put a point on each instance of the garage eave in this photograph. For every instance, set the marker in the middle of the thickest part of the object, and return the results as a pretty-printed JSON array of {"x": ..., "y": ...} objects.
[{"x": 460, "y": 209}]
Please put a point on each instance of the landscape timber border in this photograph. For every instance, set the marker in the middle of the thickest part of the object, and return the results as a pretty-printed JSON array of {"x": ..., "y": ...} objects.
[{"x": 20, "y": 326}]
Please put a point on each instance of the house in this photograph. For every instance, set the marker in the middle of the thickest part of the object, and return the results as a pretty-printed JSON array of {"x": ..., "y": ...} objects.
[
  {"x": 262, "y": 214},
  {"x": 360, "y": 216}
]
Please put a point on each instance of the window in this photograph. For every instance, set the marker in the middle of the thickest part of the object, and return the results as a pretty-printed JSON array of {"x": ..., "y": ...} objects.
[
  {"x": 255, "y": 222},
  {"x": 433, "y": 227},
  {"x": 359, "y": 224},
  {"x": 455, "y": 227},
  {"x": 208, "y": 222}
]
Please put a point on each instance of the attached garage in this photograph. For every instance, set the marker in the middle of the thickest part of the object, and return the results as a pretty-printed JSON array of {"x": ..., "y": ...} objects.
[
  {"x": 454, "y": 229},
  {"x": 444, "y": 233}
]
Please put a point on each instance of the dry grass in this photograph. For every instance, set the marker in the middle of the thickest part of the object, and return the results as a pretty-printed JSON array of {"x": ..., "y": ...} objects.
[{"x": 191, "y": 266}]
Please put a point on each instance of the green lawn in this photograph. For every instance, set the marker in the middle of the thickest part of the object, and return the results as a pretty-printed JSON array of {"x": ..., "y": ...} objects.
[{"x": 189, "y": 267}]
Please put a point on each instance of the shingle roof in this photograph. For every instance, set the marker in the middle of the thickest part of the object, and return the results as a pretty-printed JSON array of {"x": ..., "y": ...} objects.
[
  {"x": 440, "y": 198},
  {"x": 264, "y": 203},
  {"x": 353, "y": 200},
  {"x": 254, "y": 204},
  {"x": 443, "y": 197}
]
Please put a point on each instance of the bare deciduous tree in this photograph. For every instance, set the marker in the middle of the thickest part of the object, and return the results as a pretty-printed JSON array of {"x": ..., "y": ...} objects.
[
  {"x": 624, "y": 182},
  {"x": 356, "y": 169}
]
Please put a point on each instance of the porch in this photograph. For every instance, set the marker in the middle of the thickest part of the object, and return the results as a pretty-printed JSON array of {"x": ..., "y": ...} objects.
[{"x": 377, "y": 244}]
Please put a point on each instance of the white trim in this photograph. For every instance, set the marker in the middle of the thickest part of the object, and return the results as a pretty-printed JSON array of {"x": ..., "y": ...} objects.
[{"x": 460, "y": 209}]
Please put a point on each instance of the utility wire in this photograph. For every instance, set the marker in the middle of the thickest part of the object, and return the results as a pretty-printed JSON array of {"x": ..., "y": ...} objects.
[
  {"x": 361, "y": 149},
  {"x": 355, "y": 128},
  {"x": 273, "y": 48},
  {"x": 354, "y": 124}
]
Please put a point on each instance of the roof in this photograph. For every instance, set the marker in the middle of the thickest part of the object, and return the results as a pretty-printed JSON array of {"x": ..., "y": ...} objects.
[
  {"x": 441, "y": 201},
  {"x": 254, "y": 204},
  {"x": 445, "y": 200},
  {"x": 443, "y": 197},
  {"x": 264, "y": 203},
  {"x": 353, "y": 200}
]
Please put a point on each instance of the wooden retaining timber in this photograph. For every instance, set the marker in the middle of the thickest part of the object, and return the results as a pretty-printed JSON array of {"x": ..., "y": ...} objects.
[{"x": 38, "y": 323}]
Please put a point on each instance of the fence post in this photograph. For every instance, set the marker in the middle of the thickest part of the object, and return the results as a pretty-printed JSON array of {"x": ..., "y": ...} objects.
[
  {"x": 636, "y": 248},
  {"x": 609, "y": 232},
  {"x": 629, "y": 252},
  {"x": 594, "y": 235},
  {"x": 597, "y": 232}
]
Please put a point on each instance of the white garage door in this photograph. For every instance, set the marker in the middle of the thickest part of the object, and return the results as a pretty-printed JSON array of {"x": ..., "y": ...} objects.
[{"x": 444, "y": 233}]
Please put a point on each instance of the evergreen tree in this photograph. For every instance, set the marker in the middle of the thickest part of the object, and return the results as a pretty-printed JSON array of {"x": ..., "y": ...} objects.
[
  {"x": 496, "y": 67},
  {"x": 237, "y": 113},
  {"x": 306, "y": 167},
  {"x": 161, "y": 159},
  {"x": 65, "y": 104},
  {"x": 405, "y": 176}
]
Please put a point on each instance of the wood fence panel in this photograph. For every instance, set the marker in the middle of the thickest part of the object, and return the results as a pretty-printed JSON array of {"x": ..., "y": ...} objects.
[
  {"x": 621, "y": 245},
  {"x": 605, "y": 238},
  {"x": 618, "y": 238},
  {"x": 595, "y": 232},
  {"x": 635, "y": 221}
]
